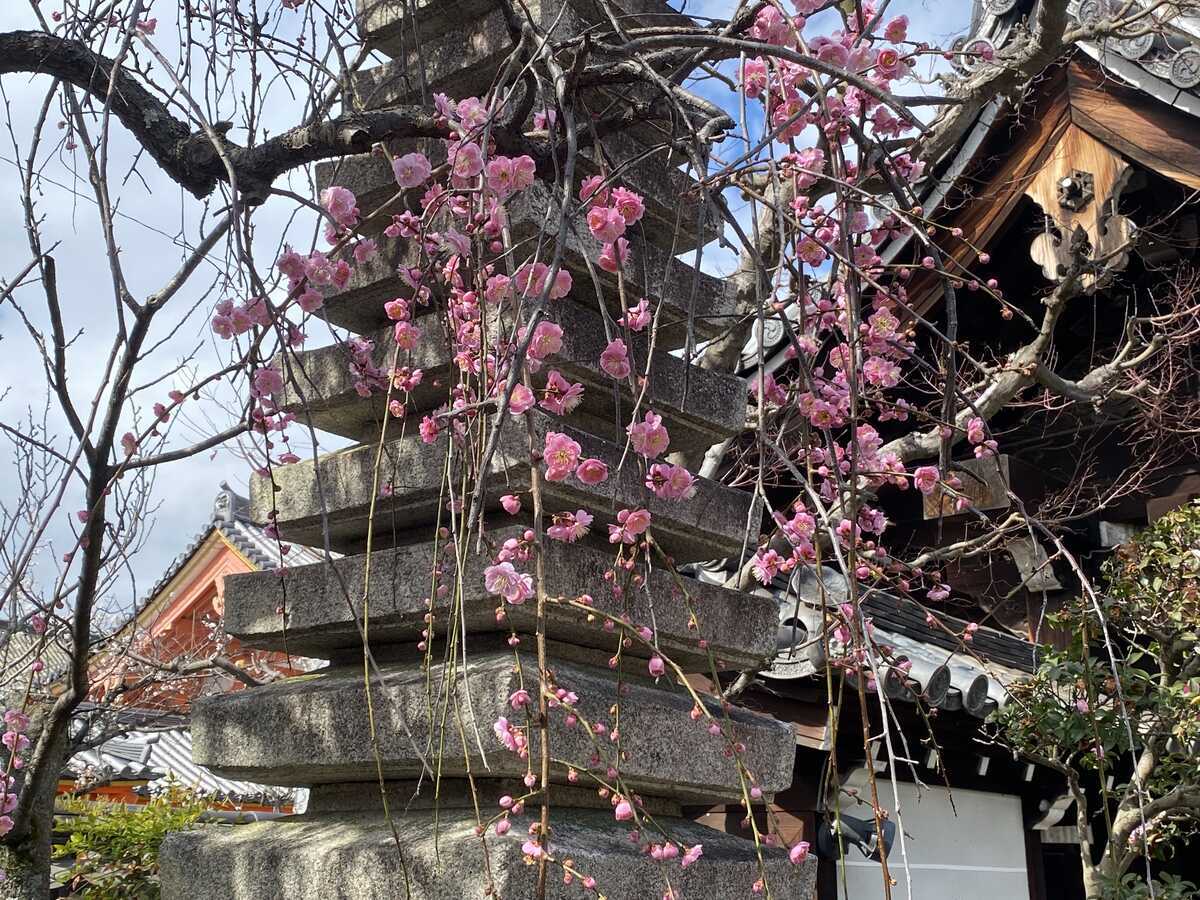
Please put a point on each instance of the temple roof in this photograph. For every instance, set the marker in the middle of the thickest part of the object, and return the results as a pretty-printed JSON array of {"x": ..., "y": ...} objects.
[
  {"x": 155, "y": 755},
  {"x": 1163, "y": 60},
  {"x": 230, "y": 517}
]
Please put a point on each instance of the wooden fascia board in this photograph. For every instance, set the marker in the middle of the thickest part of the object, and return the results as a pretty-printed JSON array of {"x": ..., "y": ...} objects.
[
  {"x": 250, "y": 564},
  {"x": 1149, "y": 132}
]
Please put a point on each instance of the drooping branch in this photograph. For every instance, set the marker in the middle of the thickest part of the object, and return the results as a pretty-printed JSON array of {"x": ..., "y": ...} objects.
[{"x": 197, "y": 667}]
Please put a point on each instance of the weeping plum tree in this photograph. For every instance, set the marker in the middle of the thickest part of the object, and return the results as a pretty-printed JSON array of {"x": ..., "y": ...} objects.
[{"x": 806, "y": 110}]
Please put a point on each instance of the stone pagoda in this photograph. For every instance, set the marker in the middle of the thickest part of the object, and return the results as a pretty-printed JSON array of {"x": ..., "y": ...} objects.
[{"x": 400, "y": 815}]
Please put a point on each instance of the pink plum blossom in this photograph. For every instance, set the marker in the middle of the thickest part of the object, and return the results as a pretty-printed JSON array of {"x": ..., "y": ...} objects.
[
  {"x": 638, "y": 316},
  {"x": 522, "y": 399},
  {"x": 570, "y": 527},
  {"x": 561, "y": 455},
  {"x": 592, "y": 191},
  {"x": 615, "y": 360},
  {"x": 471, "y": 113},
  {"x": 411, "y": 170},
  {"x": 16, "y": 720},
  {"x": 340, "y": 202},
  {"x": 896, "y": 30},
  {"x": 754, "y": 77},
  {"x": 606, "y": 223},
  {"x": 546, "y": 341},
  {"x": 649, "y": 437},
  {"x": 591, "y": 471},
  {"x": 629, "y": 205},
  {"x": 766, "y": 565},
  {"x": 671, "y": 482},
  {"x": 14, "y": 741},
  {"x": 503, "y": 579},
  {"x": 561, "y": 396},
  {"x": 531, "y": 281},
  {"x": 630, "y": 524},
  {"x": 466, "y": 161},
  {"x": 501, "y": 177},
  {"x": 428, "y": 429},
  {"x": 614, "y": 257},
  {"x": 925, "y": 479},
  {"x": 267, "y": 382},
  {"x": 406, "y": 335},
  {"x": 976, "y": 433},
  {"x": 310, "y": 300},
  {"x": 509, "y": 737}
]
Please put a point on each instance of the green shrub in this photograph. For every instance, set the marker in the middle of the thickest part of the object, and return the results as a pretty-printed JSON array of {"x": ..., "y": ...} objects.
[{"x": 115, "y": 848}]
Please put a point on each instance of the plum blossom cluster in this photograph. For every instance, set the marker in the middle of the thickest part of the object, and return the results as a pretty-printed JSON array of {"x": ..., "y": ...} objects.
[
  {"x": 846, "y": 372},
  {"x": 454, "y": 243},
  {"x": 16, "y": 742}
]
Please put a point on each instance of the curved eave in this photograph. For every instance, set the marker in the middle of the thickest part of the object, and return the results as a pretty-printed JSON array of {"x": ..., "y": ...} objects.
[{"x": 1139, "y": 77}]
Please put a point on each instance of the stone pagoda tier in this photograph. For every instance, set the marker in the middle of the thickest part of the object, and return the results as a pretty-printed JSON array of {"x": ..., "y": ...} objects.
[{"x": 436, "y": 757}]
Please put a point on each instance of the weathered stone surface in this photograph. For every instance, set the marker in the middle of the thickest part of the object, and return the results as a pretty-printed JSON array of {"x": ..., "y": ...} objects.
[
  {"x": 676, "y": 218},
  {"x": 699, "y": 407},
  {"x": 359, "y": 306},
  {"x": 396, "y": 26},
  {"x": 463, "y": 59},
  {"x": 685, "y": 291},
  {"x": 411, "y": 480},
  {"x": 320, "y": 618},
  {"x": 356, "y": 858},
  {"x": 314, "y": 728},
  {"x": 459, "y": 793}
]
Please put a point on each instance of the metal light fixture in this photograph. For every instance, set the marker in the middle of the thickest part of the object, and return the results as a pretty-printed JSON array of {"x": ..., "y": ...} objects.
[{"x": 832, "y": 838}]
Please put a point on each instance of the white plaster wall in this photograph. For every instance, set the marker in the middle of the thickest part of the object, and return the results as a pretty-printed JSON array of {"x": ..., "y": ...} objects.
[{"x": 978, "y": 854}]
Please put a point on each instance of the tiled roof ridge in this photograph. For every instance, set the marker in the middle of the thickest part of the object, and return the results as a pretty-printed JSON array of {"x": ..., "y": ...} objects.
[{"x": 1163, "y": 62}]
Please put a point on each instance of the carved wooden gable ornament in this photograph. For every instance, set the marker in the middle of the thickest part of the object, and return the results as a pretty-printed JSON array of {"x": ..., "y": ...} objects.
[{"x": 1078, "y": 189}]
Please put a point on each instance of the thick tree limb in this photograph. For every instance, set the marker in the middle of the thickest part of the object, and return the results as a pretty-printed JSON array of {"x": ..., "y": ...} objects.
[
  {"x": 1004, "y": 76},
  {"x": 188, "y": 156}
]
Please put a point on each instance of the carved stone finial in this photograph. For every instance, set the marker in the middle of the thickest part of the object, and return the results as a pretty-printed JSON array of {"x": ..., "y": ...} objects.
[{"x": 1078, "y": 189}]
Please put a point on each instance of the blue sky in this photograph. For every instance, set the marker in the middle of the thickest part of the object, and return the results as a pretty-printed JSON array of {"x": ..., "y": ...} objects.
[{"x": 152, "y": 214}]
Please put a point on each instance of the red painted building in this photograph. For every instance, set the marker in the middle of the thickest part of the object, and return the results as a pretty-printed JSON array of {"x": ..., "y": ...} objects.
[
  {"x": 146, "y": 676},
  {"x": 179, "y": 625}
]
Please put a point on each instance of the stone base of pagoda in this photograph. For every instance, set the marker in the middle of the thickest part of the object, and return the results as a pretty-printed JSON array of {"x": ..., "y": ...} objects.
[{"x": 424, "y": 855}]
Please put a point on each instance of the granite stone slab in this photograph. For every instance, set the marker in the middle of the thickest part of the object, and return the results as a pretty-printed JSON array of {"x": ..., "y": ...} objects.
[
  {"x": 340, "y": 857},
  {"x": 699, "y": 407},
  {"x": 314, "y": 728},
  {"x": 411, "y": 478},
  {"x": 463, "y": 59},
  {"x": 690, "y": 297},
  {"x": 320, "y": 617},
  {"x": 676, "y": 217},
  {"x": 396, "y": 26}
]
